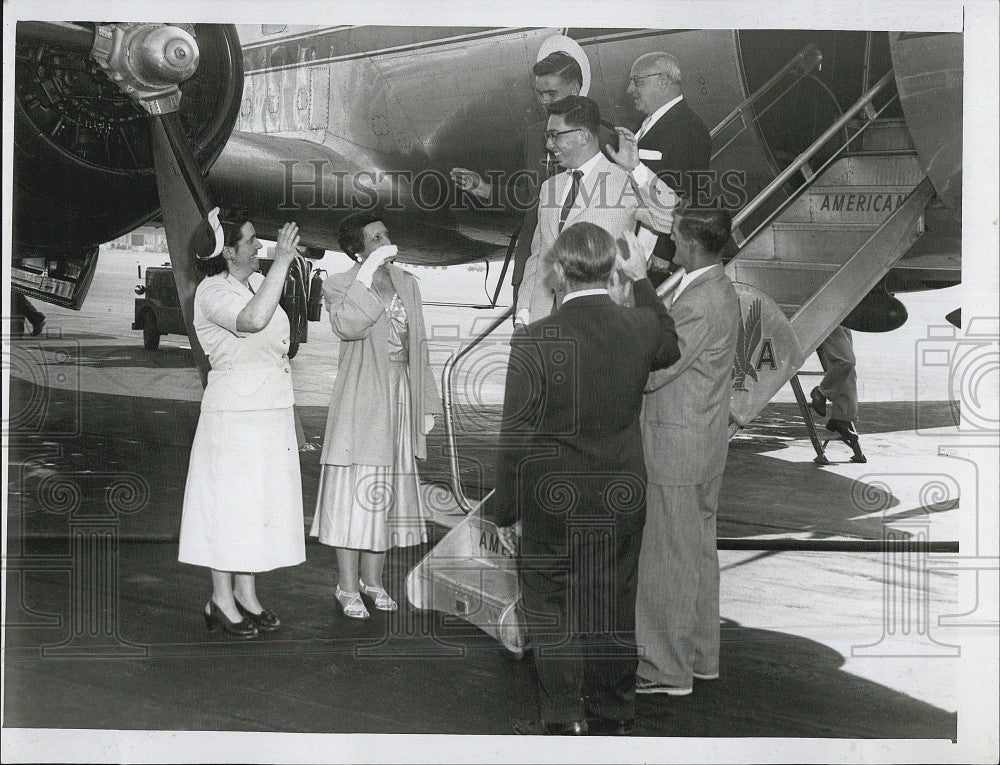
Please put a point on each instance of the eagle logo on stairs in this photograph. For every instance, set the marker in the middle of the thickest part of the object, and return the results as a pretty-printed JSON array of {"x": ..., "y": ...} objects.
[{"x": 746, "y": 345}]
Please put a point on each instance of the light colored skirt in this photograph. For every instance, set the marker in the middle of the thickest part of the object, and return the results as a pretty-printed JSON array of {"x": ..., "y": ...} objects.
[
  {"x": 243, "y": 498},
  {"x": 367, "y": 507}
]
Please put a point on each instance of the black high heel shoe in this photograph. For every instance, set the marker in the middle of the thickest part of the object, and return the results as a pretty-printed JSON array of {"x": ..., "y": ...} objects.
[
  {"x": 265, "y": 621},
  {"x": 214, "y": 619}
]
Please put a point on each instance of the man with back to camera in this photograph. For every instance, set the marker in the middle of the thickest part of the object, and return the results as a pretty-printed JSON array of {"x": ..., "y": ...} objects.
[
  {"x": 572, "y": 471},
  {"x": 673, "y": 141},
  {"x": 615, "y": 194},
  {"x": 685, "y": 430}
]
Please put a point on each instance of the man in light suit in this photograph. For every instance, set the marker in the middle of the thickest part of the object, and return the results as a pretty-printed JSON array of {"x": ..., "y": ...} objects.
[
  {"x": 673, "y": 141},
  {"x": 572, "y": 472},
  {"x": 685, "y": 430},
  {"x": 614, "y": 195}
]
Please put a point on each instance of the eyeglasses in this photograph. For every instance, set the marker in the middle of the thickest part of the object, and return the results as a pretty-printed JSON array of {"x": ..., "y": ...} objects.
[
  {"x": 551, "y": 135},
  {"x": 635, "y": 78}
]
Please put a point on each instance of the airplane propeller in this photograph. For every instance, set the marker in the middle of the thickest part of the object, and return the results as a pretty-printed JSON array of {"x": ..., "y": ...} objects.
[{"x": 148, "y": 63}]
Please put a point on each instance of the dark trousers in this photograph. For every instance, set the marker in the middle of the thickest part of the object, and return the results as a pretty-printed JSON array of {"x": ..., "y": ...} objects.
[
  {"x": 23, "y": 307},
  {"x": 578, "y": 596}
]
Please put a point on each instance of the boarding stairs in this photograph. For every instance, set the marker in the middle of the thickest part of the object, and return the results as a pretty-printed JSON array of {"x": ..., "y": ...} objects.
[{"x": 823, "y": 248}]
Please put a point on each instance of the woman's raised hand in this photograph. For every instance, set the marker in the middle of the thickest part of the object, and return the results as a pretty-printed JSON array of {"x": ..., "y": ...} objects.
[{"x": 286, "y": 246}]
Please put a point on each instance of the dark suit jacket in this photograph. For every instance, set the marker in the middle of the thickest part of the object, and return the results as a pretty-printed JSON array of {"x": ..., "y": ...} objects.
[
  {"x": 685, "y": 418},
  {"x": 684, "y": 145},
  {"x": 570, "y": 438}
]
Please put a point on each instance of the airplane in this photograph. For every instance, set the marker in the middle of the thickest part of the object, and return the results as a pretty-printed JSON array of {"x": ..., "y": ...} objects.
[
  {"x": 308, "y": 123},
  {"x": 278, "y": 123},
  {"x": 844, "y": 193}
]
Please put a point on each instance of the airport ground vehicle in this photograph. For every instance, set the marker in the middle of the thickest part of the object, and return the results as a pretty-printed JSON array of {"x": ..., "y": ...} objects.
[{"x": 158, "y": 309}]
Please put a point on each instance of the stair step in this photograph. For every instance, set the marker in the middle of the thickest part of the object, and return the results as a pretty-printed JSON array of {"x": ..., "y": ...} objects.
[
  {"x": 886, "y": 135},
  {"x": 823, "y": 243},
  {"x": 877, "y": 169},
  {"x": 789, "y": 286},
  {"x": 846, "y": 204}
]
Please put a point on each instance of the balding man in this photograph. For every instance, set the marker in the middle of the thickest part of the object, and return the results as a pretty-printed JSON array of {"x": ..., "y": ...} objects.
[{"x": 673, "y": 141}]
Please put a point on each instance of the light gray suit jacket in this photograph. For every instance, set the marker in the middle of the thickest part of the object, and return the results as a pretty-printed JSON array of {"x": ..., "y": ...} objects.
[
  {"x": 607, "y": 197},
  {"x": 685, "y": 415}
]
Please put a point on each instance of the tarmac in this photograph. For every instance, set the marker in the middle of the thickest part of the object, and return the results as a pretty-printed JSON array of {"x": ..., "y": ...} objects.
[{"x": 832, "y": 647}]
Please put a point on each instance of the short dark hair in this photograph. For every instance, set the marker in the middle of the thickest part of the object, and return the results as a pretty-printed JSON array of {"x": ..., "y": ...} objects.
[
  {"x": 562, "y": 64},
  {"x": 711, "y": 228},
  {"x": 578, "y": 111},
  {"x": 351, "y": 237},
  {"x": 231, "y": 233},
  {"x": 586, "y": 252}
]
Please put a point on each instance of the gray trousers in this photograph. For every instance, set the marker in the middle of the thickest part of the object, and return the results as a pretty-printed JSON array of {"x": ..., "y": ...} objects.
[
  {"x": 677, "y": 602},
  {"x": 840, "y": 381}
]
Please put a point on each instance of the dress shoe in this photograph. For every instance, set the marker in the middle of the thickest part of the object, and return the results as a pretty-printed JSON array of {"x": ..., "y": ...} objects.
[
  {"x": 265, "y": 621},
  {"x": 351, "y": 603},
  {"x": 36, "y": 328},
  {"x": 382, "y": 600},
  {"x": 646, "y": 687},
  {"x": 542, "y": 728},
  {"x": 846, "y": 430},
  {"x": 214, "y": 619},
  {"x": 609, "y": 726},
  {"x": 818, "y": 402}
]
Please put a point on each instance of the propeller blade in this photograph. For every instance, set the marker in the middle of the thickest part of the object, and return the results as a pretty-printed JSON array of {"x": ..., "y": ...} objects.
[{"x": 184, "y": 203}]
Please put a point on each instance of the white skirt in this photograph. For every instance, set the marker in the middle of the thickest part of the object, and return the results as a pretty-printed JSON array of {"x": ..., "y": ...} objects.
[{"x": 243, "y": 498}]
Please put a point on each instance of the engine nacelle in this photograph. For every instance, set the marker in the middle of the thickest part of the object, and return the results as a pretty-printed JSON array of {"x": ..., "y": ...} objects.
[{"x": 83, "y": 164}]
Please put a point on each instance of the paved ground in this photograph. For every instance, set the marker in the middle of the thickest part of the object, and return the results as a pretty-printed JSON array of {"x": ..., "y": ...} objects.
[{"x": 839, "y": 654}]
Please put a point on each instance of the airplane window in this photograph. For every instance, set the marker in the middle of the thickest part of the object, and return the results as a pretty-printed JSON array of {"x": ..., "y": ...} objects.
[
  {"x": 307, "y": 53},
  {"x": 272, "y": 29},
  {"x": 277, "y": 57}
]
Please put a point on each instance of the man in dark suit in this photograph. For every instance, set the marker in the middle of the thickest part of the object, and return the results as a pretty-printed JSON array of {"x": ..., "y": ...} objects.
[
  {"x": 556, "y": 76},
  {"x": 685, "y": 433},
  {"x": 673, "y": 141},
  {"x": 572, "y": 472}
]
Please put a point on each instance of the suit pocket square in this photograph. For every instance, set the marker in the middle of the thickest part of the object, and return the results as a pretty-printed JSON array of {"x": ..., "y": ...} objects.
[{"x": 650, "y": 154}]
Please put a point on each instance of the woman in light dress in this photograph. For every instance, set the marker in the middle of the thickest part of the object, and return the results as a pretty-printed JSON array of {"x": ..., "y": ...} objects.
[
  {"x": 382, "y": 407},
  {"x": 243, "y": 499}
]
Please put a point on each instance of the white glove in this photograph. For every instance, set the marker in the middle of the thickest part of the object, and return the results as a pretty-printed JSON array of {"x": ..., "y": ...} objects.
[{"x": 383, "y": 254}]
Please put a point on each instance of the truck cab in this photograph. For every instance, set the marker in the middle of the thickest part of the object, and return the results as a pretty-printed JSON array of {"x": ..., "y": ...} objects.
[{"x": 158, "y": 309}]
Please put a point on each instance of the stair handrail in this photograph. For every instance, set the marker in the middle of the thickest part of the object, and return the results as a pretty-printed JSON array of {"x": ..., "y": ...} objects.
[
  {"x": 448, "y": 399},
  {"x": 804, "y": 158},
  {"x": 804, "y": 61}
]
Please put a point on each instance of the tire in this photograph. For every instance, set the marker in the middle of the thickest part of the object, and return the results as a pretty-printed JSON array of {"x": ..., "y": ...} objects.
[
  {"x": 296, "y": 326},
  {"x": 294, "y": 336},
  {"x": 150, "y": 331}
]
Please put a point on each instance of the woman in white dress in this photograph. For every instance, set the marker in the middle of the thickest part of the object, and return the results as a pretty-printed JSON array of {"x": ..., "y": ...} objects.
[
  {"x": 243, "y": 499},
  {"x": 381, "y": 410}
]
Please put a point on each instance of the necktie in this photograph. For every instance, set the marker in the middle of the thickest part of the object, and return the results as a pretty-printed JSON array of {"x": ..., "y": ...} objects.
[{"x": 570, "y": 198}]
